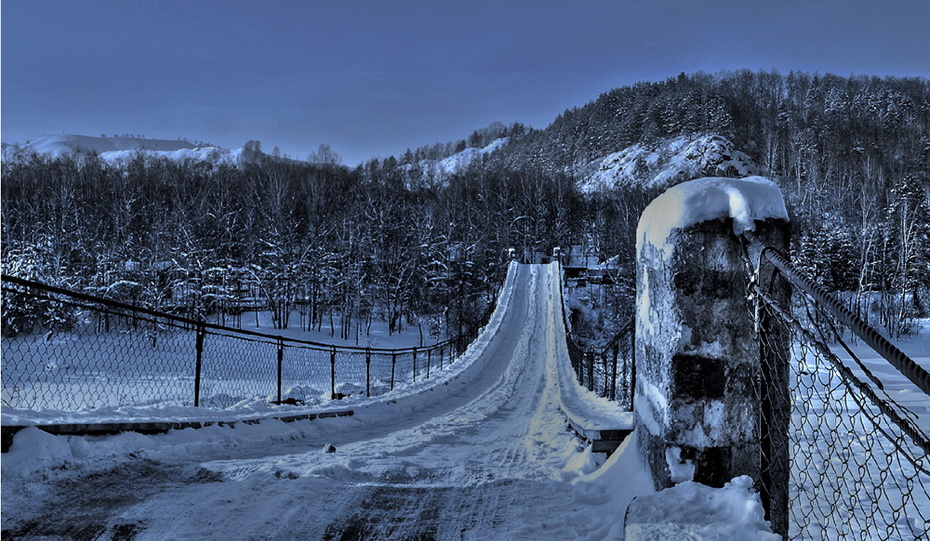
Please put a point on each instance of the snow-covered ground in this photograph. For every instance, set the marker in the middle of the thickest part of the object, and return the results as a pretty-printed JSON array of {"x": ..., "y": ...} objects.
[
  {"x": 896, "y": 386},
  {"x": 377, "y": 336}
]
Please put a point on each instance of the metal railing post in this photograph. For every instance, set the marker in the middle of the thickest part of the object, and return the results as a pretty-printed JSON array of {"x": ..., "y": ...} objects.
[
  {"x": 393, "y": 367},
  {"x": 280, "y": 366},
  {"x": 414, "y": 365},
  {"x": 332, "y": 373},
  {"x": 429, "y": 358},
  {"x": 198, "y": 365},
  {"x": 613, "y": 379},
  {"x": 631, "y": 388},
  {"x": 606, "y": 374},
  {"x": 590, "y": 357},
  {"x": 367, "y": 372}
]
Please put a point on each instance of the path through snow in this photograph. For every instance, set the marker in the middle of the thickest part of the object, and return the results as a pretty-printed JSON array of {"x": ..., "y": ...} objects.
[{"x": 485, "y": 455}]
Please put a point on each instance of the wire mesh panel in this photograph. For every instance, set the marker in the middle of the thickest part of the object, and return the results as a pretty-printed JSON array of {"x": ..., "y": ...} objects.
[
  {"x": 236, "y": 370},
  {"x": 380, "y": 374},
  {"x": 68, "y": 351},
  {"x": 859, "y": 465},
  {"x": 404, "y": 371},
  {"x": 305, "y": 375},
  {"x": 101, "y": 359},
  {"x": 351, "y": 372}
]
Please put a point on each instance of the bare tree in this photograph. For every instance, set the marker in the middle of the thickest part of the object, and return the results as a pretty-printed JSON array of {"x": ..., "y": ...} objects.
[{"x": 324, "y": 155}]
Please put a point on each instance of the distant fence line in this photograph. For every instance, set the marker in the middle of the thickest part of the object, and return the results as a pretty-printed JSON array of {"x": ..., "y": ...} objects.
[{"x": 95, "y": 352}]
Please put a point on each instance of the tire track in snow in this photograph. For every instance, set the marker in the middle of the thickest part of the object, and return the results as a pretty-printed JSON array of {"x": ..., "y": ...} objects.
[
  {"x": 511, "y": 463},
  {"x": 82, "y": 508}
]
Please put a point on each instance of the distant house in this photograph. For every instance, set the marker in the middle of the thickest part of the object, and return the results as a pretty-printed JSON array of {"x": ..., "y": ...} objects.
[{"x": 578, "y": 262}]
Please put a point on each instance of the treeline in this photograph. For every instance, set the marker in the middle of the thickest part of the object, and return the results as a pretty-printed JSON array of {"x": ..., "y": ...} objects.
[
  {"x": 336, "y": 244},
  {"x": 478, "y": 139},
  {"x": 852, "y": 155},
  {"x": 393, "y": 240}
]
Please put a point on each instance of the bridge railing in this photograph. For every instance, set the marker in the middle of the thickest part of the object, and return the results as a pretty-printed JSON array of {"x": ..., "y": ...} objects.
[
  {"x": 609, "y": 371},
  {"x": 859, "y": 457},
  {"x": 89, "y": 352}
]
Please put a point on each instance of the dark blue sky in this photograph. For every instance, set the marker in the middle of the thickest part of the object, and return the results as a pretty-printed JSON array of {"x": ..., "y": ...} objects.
[{"x": 372, "y": 78}]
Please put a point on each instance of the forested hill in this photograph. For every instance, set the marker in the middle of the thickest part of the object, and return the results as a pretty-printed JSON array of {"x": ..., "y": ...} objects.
[
  {"x": 411, "y": 236},
  {"x": 781, "y": 121},
  {"x": 824, "y": 132},
  {"x": 851, "y": 153}
]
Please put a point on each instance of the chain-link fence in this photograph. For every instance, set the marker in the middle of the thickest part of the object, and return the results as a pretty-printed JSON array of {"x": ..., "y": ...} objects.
[
  {"x": 855, "y": 425},
  {"x": 609, "y": 372},
  {"x": 68, "y": 351}
]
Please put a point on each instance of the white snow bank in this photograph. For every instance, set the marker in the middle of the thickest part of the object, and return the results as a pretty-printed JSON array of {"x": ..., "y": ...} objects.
[
  {"x": 694, "y": 511},
  {"x": 32, "y": 450},
  {"x": 744, "y": 200},
  {"x": 257, "y": 408},
  {"x": 624, "y": 478}
]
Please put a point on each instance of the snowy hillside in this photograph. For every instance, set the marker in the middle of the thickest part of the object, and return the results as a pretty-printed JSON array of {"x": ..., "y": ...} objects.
[
  {"x": 669, "y": 162},
  {"x": 460, "y": 161},
  {"x": 456, "y": 163},
  {"x": 116, "y": 149},
  {"x": 57, "y": 145},
  {"x": 205, "y": 154}
]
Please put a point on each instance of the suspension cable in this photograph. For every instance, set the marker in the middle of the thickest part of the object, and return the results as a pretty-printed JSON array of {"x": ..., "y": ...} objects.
[{"x": 904, "y": 364}]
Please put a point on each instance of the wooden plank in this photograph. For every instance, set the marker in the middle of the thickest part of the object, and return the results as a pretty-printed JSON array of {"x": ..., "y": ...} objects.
[{"x": 601, "y": 440}]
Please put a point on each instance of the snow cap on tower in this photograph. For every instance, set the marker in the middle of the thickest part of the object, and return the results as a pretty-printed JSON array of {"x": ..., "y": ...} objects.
[{"x": 745, "y": 200}]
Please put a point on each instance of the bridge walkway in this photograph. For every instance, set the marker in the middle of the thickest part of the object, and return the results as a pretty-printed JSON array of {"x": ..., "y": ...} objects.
[{"x": 484, "y": 454}]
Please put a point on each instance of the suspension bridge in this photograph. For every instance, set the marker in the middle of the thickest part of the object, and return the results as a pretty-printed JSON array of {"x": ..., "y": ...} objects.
[{"x": 492, "y": 434}]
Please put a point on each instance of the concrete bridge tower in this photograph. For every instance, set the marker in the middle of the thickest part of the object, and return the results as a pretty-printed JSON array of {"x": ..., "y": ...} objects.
[{"x": 704, "y": 379}]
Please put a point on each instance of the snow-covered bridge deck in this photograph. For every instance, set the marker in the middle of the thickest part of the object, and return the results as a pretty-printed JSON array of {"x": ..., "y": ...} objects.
[{"x": 482, "y": 453}]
